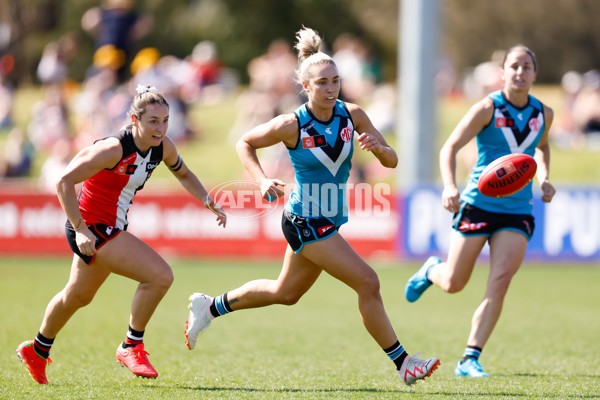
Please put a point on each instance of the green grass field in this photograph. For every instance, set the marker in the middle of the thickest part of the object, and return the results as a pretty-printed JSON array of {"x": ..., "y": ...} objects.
[{"x": 544, "y": 347}]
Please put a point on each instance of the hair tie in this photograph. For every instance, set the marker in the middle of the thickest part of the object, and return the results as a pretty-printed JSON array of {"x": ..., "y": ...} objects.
[{"x": 143, "y": 89}]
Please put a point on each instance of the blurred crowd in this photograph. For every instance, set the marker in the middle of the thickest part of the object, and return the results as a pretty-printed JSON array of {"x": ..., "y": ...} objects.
[{"x": 71, "y": 115}]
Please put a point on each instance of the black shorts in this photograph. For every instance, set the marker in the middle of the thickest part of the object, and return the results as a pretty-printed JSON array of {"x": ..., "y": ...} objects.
[
  {"x": 473, "y": 221},
  {"x": 103, "y": 234},
  {"x": 299, "y": 231}
]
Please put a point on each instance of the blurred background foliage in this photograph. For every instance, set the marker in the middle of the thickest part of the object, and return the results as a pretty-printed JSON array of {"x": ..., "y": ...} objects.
[{"x": 564, "y": 33}]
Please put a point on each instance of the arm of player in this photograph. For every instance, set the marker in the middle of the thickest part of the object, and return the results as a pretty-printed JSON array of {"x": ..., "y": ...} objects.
[
  {"x": 88, "y": 162},
  {"x": 283, "y": 128},
  {"x": 190, "y": 181},
  {"x": 478, "y": 116},
  {"x": 542, "y": 158},
  {"x": 370, "y": 139}
]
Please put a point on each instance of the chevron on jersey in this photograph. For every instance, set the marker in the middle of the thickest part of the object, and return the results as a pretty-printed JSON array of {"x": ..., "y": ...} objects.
[{"x": 517, "y": 139}]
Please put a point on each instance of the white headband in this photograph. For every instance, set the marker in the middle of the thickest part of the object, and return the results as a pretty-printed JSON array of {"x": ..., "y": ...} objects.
[{"x": 143, "y": 89}]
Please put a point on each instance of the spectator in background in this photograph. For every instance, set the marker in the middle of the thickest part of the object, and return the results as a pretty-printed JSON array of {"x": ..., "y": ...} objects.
[
  {"x": 485, "y": 77},
  {"x": 271, "y": 89},
  {"x": 586, "y": 109},
  {"x": 579, "y": 123},
  {"x": 6, "y": 103},
  {"x": 91, "y": 120},
  {"x": 116, "y": 26},
  {"x": 49, "y": 119},
  {"x": 18, "y": 155},
  {"x": 359, "y": 74},
  {"x": 54, "y": 165},
  {"x": 52, "y": 68}
]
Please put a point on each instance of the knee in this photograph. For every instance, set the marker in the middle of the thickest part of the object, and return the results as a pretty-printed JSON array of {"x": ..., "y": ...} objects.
[
  {"x": 500, "y": 283},
  {"x": 78, "y": 298},
  {"x": 370, "y": 285},
  {"x": 166, "y": 279},
  {"x": 163, "y": 279},
  {"x": 453, "y": 285},
  {"x": 289, "y": 299}
]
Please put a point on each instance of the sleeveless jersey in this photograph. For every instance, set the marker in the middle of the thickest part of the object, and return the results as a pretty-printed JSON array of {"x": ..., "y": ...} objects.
[
  {"x": 105, "y": 197},
  {"x": 322, "y": 162},
  {"x": 511, "y": 130}
]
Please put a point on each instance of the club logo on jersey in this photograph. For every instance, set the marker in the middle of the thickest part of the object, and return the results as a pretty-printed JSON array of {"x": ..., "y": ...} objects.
[
  {"x": 314, "y": 141},
  {"x": 535, "y": 125},
  {"x": 324, "y": 229},
  {"x": 503, "y": 122},
  {"x": 346, "y": 134},
  {"x": 126, "y": 169}
]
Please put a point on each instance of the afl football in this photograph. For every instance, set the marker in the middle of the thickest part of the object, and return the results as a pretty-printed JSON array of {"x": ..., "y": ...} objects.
[{"x": 507, "y": 175}]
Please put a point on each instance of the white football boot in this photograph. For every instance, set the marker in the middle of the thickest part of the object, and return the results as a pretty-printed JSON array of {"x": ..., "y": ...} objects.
[{"x": 199, "y": 318}]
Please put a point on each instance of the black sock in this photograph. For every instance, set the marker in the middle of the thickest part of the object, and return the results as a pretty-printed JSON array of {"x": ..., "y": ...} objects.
[
  {"x": 42, "y": 345},
  {"x": 471, "y": 352},
  {"x": 220, "y": 306},
  {"x": 133, "y": 338},
  {"x": 396, "y": 353}
]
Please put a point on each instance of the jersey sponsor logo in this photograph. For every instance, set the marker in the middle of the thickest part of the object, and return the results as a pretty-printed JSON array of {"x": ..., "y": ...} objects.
[
  {"x": 346, "y": 134},
  {"x": 466, "y": 226},
  {"x": 150, "y": 166},
  {"x": 503, "y": 122},
  {"x": 324, "y": 229}
]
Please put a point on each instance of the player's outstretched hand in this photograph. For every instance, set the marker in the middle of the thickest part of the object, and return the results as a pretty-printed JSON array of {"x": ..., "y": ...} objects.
[{"x": 218, "y": 211}]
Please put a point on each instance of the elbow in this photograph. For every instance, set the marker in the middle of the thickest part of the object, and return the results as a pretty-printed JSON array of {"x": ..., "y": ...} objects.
[{"x": 393, "y": 163}]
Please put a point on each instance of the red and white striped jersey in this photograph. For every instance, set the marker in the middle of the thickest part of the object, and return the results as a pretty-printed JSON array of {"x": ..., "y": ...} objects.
[{"x": 105, "y": 197}]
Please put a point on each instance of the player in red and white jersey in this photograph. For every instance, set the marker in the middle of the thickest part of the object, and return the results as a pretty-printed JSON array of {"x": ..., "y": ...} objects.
[{"x": 112, "y": 171}]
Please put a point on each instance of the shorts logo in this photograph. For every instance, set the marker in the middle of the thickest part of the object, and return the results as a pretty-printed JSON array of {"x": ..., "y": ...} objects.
[
  {"x": 466, "y": 226},
  {"x": 324, "y": 229},
  {"x": 527, "y": 227},
  {"x": 306, "y": 232},
  {"x": 109, "y": 230}
]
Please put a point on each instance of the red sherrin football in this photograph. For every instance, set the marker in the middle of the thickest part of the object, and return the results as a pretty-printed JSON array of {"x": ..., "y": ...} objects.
[{"x": 507, "y": 175}]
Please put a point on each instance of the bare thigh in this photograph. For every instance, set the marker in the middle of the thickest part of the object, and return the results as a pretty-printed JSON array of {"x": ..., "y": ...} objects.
[
  {"x": 128, "y": 256},
  {"x": 462, "y": 256},
  {"x": 298, "y": 273},
  {"x": 336, "y": 257},
  {"x": 507, "y": 250},
  {"x": 84, "y": 280}
]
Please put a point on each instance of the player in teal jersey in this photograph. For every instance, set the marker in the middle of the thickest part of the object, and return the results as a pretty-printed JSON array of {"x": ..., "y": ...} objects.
[
  {"x": 319, "y": 137},
  {"x": 507, "y": 121}
]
